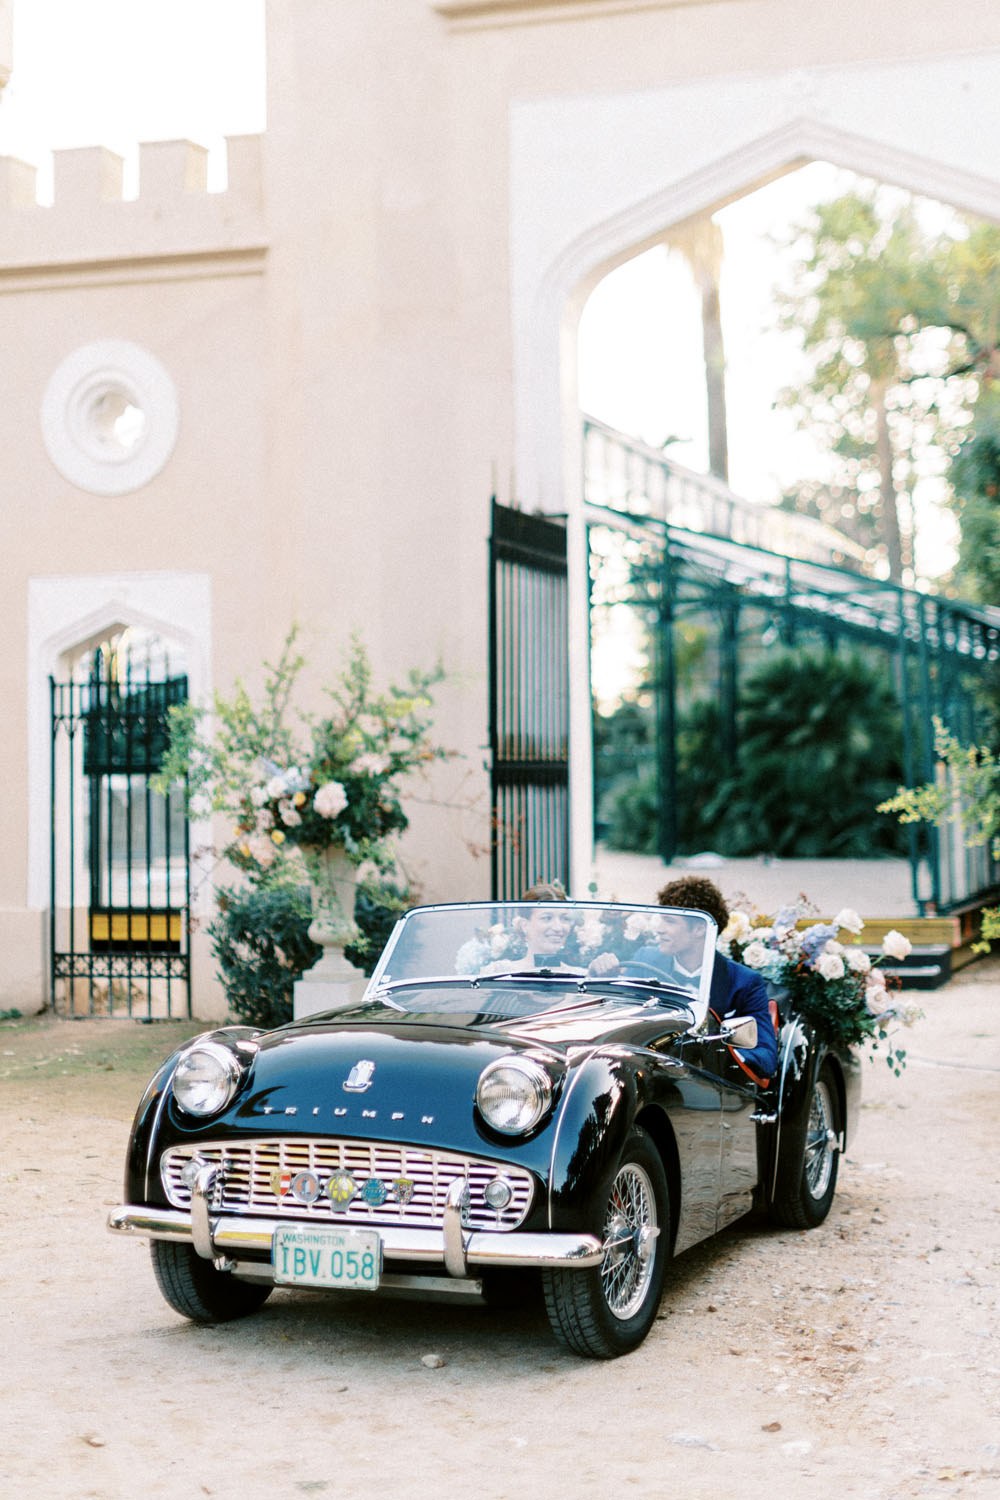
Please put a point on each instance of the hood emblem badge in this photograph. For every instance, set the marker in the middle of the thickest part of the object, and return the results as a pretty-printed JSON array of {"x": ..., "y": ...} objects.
[{"x": 360, "y": 1076}]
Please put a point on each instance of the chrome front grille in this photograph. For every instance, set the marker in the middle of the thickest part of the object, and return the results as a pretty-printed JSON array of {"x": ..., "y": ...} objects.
[{"x": 262, "y": 1177}]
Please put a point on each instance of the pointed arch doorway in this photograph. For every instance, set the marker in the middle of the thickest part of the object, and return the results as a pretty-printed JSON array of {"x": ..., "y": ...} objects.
[
  {"x": 120, "y": 885},
  {"x": 598, "y": 179}
]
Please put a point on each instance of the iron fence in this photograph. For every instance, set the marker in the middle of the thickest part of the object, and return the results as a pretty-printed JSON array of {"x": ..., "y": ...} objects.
[
  {"x": 119, "y": 914},
  {"x": 529, "y": 702}
]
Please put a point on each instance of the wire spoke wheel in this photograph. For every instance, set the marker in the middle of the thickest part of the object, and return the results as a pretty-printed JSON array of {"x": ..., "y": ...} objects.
[
  {"x": 821, "y": 1141},
  {"x": 809, "y": 1152},
  {"x": 629, "y": 1238},
  {"x": 607, "y": 1310}
]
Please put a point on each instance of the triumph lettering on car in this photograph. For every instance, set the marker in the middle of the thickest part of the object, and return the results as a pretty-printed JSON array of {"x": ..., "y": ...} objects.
[{"x": 546, "y": 1092}]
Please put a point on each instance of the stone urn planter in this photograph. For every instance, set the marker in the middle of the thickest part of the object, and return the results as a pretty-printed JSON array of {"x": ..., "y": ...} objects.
[{"x": 333, "y": 884}]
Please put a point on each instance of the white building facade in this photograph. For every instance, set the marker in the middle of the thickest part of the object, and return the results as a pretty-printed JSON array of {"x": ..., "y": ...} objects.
[{"x": 333, "y": 365}]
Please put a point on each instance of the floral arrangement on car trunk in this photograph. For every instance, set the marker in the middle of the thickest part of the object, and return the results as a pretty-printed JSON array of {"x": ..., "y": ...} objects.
[{"x": 835, "y": 986}]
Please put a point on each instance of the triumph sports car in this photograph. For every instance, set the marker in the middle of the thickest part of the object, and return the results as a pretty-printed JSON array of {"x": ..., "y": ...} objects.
[{"x": 517, "y": 1089}]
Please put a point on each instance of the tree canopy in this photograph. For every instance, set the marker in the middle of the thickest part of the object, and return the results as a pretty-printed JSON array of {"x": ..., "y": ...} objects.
[{"x": 899, "y": 324}]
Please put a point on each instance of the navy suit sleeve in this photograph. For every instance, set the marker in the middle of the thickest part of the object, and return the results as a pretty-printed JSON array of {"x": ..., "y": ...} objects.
[{"x": 748, "y": 997}]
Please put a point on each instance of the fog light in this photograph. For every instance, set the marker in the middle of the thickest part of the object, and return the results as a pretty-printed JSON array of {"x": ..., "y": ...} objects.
[
  {"x": 498, "y": 1193},
  {"x": 190, "y": 1170}
]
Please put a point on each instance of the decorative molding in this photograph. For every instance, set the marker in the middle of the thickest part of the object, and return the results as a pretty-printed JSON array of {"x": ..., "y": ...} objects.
[
  {"x": 512, "y": 12},
  {"x": 109, "y": 417},
  {"x": 198, "y": 266}
]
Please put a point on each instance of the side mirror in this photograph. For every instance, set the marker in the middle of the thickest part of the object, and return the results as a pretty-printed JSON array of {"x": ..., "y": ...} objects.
[{"x": 742, "y": 1032}]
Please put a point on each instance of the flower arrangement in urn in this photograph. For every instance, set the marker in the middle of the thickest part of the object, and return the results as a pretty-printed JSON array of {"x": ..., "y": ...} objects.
[
  {"x": 298, "y": 789},
  {"x": 835, "y": 986}
]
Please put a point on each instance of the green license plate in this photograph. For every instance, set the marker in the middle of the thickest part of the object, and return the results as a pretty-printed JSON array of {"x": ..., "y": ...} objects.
[{"x": 347, "y": 1258}]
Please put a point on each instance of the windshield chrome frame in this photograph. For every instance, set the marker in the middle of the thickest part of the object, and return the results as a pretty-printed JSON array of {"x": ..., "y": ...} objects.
[{"x": 696, "y": 1003}]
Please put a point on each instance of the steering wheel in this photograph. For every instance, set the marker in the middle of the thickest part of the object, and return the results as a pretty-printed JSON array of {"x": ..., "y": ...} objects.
[{"x": 632, "y": 963}]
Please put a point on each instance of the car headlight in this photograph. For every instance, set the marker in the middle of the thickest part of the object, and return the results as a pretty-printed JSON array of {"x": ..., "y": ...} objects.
[
  {"x": 513, "y": 1094},
  {"x": 206, "y": 1078}
]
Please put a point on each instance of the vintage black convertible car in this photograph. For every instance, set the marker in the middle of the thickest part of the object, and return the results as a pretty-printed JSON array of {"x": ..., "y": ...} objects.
[{"x": 521, "y": 1086}]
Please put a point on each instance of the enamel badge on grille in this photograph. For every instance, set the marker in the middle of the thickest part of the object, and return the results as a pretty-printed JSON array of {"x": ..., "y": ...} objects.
[
  {"x": 341, "y": 1188},
  {"x": 280, "y": 1182},
  {"x": 305, "y": 1187},
  {"x": 403, "y": 1189}
]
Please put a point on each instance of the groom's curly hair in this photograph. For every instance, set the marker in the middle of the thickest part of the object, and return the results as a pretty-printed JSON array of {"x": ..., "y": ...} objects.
[{"x": 698, "y": 894}]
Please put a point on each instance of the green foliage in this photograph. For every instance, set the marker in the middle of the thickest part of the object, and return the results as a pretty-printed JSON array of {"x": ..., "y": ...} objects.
[
  {"x": 261, "y": 943},
  {"x": 628, "y": 813},
  {"x": 834, "y": 986},
  {"x": 969, "y": 793},
  {"x": 974, "y": 475},
  {"x": 819, "y": 736},
  {"x": 260, "y": 939},
  {"x": 291, "y": 784},
  {"x": 869, "y": 285},
  {"x": 287, "y": 779},
  {"x": 628, "y": 808}
]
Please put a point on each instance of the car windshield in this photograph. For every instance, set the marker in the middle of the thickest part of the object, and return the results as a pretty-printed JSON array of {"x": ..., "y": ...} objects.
[{"x": 544, "y": 954}]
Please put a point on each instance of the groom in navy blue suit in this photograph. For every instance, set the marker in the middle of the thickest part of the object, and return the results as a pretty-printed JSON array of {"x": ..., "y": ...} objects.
[{"x": 735, "y": 989}]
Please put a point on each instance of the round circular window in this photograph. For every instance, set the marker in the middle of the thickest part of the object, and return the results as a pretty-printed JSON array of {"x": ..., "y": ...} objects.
[{"x": 109, "y": 417}]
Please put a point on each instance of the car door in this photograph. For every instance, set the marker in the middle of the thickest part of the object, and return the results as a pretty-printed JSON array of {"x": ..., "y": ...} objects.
[{"x": 738, "y": 1097}]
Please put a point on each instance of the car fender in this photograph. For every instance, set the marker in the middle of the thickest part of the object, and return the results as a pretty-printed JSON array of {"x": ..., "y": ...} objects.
[
  {"x": 598, "y": 1107},
  {"x": 141, "y": 1177},
  {"x": 800, "y": 1060}
]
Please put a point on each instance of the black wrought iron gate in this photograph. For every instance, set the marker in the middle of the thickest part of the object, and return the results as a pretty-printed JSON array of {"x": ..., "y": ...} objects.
[
  {"x": 119, "y": 928},
  {"x": 529, "y": 702}
]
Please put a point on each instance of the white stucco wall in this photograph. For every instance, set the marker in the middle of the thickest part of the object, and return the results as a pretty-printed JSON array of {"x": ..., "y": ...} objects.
[{"x": 373, "y": 329}]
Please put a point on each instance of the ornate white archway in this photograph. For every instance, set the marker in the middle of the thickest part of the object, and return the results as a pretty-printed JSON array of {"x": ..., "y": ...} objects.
[
  {"x": 596, "y": 181},
  {"x": 68, "y": 614}
]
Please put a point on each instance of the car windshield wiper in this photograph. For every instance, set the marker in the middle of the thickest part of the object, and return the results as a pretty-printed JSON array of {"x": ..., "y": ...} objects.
[
  {"x": 565, "y": 975},
  {"x": 663, "y": 991}
]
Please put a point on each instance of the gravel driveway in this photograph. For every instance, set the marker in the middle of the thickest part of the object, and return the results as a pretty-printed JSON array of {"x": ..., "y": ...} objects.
[{"x": 859, "y": 1360}]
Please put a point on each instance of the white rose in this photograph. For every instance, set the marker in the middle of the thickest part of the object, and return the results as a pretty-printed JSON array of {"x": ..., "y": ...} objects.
[
  {"x": 857, "y": 960},
  {"x": 289, "y": 816},
  {"x": 895, "y": 945},
  {"x": 258, "y": 795},
  {"x": 833, "y": 947},
  {"x": 830, "y": 966},
  {"x": 330, "y": 800},
  {"x": 276, "y": 786},
  {"x": 368, "y": 764},
  {"x": 755, "y": 955},
  {"x": 849, "y": 920},
  {"x": 736, "y": 928},
  {"x": 262, "y": 849}
]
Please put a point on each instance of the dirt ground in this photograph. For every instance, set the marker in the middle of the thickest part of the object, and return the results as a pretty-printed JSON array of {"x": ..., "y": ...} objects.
[{"x": 858, "y": 1360}]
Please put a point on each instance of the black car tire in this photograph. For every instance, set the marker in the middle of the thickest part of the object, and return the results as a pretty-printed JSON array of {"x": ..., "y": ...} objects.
[
  {"x": 607, "y": 1310},
  {"x": 196, "y": 1290},
  {"x": 806, "y": 1202}
]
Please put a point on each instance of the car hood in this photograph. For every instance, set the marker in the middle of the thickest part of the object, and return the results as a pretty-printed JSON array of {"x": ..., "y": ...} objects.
[{"x": 374, "y": 1073}]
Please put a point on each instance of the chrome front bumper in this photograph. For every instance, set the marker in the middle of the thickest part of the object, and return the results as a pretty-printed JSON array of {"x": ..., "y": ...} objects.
[{"x": 225, "y": 1238}]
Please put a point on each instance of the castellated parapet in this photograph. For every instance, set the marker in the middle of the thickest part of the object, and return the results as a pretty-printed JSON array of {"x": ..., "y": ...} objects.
[{"x": 174, "y": 228}]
